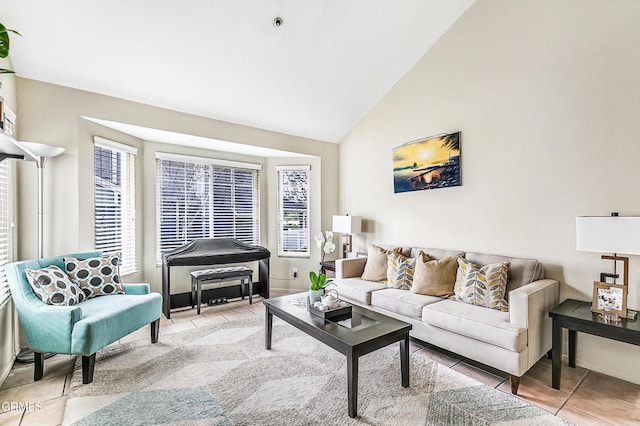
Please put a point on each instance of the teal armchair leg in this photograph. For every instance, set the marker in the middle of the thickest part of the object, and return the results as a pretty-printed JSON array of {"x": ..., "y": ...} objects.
[
  {"x": 88, "y": 362},
  {"x": 155, "y": 328},
  {"x": 38, "y": 366}
]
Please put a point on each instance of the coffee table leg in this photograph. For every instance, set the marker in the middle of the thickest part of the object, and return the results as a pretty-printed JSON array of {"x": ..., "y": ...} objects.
[
  {"x": 268, "y": 327},
  {"x": 352, "y": 379},
  {"x": 404, "y": 360}
]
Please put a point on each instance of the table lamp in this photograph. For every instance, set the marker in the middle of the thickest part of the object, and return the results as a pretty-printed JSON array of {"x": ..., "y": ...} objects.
[
  {"x": 346, "y": 225},
  {"x": 610, "y": 234}
]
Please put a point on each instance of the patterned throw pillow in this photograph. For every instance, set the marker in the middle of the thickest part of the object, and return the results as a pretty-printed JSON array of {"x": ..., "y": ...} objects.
[
  {"x": 54, "y": 287},
  {"x": 484, "y": 286},
  {"x": 96, "y": 276},
  {"x": 376, "y": 267},
  {"x": 399, "y": 271}
]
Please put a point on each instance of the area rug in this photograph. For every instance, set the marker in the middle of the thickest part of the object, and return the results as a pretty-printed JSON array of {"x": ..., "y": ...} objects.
[{"x": 222, "y": 375}]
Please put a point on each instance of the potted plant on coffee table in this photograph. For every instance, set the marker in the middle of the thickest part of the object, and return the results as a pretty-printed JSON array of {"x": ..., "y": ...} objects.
[
  {"x": 324, "y": 241},
  {"x": 318, "y": 284}
]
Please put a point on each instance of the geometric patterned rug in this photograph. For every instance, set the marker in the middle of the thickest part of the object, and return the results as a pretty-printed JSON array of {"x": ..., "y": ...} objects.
[{"x": 222, "y": 375}]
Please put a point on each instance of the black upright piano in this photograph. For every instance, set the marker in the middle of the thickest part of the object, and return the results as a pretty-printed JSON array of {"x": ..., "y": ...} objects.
[{"x": 211, "y": 252}]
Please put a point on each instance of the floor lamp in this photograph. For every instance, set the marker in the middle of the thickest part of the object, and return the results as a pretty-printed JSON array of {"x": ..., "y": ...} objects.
[{"x": 39, "y": 152}]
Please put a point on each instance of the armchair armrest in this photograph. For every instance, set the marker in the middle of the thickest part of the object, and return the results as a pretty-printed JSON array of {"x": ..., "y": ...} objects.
[
  {"x": 48, "y": 328},
  {"x": 137, "y": 288},
  {"x": 350, "y": 268},
  {"x": 529, "y": 307}
]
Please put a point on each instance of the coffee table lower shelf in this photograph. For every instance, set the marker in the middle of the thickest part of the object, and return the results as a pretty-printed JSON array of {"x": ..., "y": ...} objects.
[{"x": 375, "y": 332}]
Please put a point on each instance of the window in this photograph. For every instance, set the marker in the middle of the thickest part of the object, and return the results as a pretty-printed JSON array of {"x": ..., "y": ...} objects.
[
  {"x": 205, "y": 198},
  {"x": 5, "y": 227},
  {"x": 114, "y": 199},
  {"x": 293, "y": 210}
]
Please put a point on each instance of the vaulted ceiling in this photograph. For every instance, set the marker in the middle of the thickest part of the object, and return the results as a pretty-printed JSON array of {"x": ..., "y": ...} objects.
[{"x": 316, "y": 75}]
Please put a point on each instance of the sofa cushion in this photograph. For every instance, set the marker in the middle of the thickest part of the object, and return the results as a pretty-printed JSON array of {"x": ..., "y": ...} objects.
[
  {"x": 434, "y": 277},
  {"x": 482, "y": 286},
  {"x": 400, "y": 271},
  {"x": 357, "y": 289},
  {"x": 487, "y": 325},
  {"x": 53, "y": 286},
  {"x": 435, "y": 253},
  {"x": 96, "y": 276},
  {"x": 521, "y": 271},
  {"x": 376, "y": 267},
  {"x": 402, "y": 302}
]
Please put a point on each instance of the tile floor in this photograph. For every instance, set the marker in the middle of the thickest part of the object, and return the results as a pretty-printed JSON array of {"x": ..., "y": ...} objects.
[{"x": 586, "y": 397}]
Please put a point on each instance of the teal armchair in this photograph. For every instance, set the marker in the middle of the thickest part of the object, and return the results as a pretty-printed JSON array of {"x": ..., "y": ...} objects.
[{"x": 82, "y": 329}]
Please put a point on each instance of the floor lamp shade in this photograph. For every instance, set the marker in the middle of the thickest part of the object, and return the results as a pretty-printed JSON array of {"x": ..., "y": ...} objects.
[
  {"x": 608, "y": 234},
  {"x": 40, "y": 152}
]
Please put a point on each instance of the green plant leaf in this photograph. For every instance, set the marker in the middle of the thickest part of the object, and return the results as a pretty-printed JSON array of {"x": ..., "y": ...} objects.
[
  {"x": 4, "y": 41},
  {"x": 5, "y": 71}
]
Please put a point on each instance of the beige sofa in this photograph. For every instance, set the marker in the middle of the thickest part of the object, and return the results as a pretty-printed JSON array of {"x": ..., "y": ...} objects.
[{"x": 508, "y": 341}]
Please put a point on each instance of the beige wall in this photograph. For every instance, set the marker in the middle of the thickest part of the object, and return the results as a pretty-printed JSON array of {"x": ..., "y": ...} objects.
[
  {"x": 52, "y": 114},
  {"x": 547, "y": 97}
]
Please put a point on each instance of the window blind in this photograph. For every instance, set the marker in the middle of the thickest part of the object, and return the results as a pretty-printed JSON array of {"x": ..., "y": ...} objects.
[
  {"x": 204, "y": 200},
  {"x": 293, "y": 211},
  {"x": 5, "y": 228},
  {"x": 114, "y": 200}
]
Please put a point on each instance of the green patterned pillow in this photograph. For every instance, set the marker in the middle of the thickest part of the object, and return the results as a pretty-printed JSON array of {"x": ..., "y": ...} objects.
[
  {"x": 484, "y": 286},
  {"x": 400, "y": 271}
]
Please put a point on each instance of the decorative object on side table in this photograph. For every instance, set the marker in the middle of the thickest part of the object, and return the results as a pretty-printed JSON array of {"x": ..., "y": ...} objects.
[
  {"x": 346, "y": 225},
  {"x": 610, "y": 300},
  {"x": 610, "y": 234}
]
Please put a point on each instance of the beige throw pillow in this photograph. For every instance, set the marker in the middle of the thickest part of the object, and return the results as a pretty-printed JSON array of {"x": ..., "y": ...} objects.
[
  {"x": 434, "y": 277},
  {"x": 376, "y": 267}
]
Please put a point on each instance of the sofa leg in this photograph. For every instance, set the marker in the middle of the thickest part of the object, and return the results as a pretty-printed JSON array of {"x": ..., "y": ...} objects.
[
  {"x": 38, "y": 366},
  {"x": 155, "y": 329},
  {"x": 515, "y": 383},
  {"x": 88, "y": 362},
  {"x": 549, "y": 355}
]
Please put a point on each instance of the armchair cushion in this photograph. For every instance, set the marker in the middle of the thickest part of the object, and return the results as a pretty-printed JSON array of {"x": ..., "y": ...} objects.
[
  {"x": 54, "y": 287},
  {"x": 96, "y": 276}
]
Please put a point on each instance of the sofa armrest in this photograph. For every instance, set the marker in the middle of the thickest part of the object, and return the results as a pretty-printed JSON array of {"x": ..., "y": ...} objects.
[
  {"x": 529, "y": 307},
  {"x": 48, "y": 328},
  {"x": 138, "y": 288},
  {"x": 350, "y": 268}
]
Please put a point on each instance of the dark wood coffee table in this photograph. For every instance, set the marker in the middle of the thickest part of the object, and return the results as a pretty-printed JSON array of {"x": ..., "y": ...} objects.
[{"x": 368, "y": 331}]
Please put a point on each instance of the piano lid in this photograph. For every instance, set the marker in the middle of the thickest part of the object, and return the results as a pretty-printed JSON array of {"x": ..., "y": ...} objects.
[{"x": 211, "y": 251}]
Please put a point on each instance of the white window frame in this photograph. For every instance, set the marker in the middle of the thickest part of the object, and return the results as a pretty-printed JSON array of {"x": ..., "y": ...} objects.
[
  {"x": 213, "y": 164},
  {"x": 127, "y": 245},
  {"x": 281, "y": 213},
  {"x": 6, "y": 225}
]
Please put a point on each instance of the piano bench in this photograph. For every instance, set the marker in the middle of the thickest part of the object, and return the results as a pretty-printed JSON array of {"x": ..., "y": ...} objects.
[{"x": 216, "y": 275}]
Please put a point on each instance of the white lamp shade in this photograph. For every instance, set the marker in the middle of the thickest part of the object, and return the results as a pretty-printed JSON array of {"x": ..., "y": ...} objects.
[
  {"x": 608, "y": 234},
  {"x": 41, "y": 149},
  {"x": 346, "y": 224}
]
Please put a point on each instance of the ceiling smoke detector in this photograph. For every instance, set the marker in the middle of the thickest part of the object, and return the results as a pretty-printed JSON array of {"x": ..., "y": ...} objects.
[{"x": 277, "y": 21}]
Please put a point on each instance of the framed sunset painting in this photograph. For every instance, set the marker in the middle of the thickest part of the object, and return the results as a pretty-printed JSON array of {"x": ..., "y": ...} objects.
[{"x": 427, "y": 163}]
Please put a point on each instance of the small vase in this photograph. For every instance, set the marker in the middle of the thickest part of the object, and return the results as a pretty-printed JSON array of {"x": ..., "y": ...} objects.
[{"x": 315, "y": 295}]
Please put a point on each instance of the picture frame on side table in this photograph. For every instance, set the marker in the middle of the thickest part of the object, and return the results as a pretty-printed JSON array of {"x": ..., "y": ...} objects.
[{"x": 610, "y": 298}]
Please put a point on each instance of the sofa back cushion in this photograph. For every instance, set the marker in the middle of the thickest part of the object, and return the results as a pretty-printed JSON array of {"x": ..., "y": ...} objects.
[
  {"x": 435, "y": 253},
  {"x": 521, "y": 271},
  {"x": 377, "y": 263}
]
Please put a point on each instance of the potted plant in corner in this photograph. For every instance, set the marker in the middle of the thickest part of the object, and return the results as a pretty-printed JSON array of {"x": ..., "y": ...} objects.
[{"x": 324, "y": 241}]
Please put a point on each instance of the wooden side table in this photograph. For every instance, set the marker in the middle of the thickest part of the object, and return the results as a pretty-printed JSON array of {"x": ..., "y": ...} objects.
[
  {"x": 575, "y": 316},
  {"x": 329, "y": 265}
]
